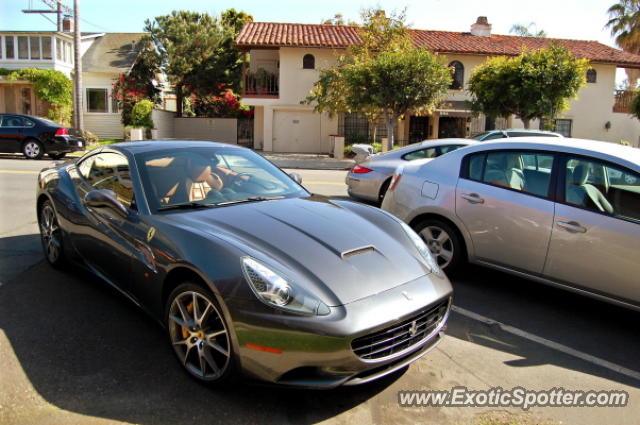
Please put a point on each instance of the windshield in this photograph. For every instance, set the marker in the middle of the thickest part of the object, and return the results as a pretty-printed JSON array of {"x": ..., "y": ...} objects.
[{"x": 212, "y": 176}]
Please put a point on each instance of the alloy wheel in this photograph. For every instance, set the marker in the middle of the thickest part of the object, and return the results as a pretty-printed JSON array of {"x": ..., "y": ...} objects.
[
  {"x": 199, "y": 335},
  {"x": 32, "y": 149},
  {"x": 50, "y": 233},
  {"x": 439, "y": 243}
]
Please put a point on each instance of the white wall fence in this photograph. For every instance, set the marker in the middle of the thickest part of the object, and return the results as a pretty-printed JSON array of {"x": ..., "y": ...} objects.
[{"x": 224, "y": 130}]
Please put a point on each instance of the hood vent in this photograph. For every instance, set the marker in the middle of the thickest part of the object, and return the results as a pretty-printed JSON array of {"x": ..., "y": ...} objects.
[{"x": 357, "y": 251}]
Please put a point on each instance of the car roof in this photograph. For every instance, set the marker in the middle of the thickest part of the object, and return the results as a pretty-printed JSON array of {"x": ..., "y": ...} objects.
[
  {"x": 161, "y": 145},
  {"x": 576, "y": 146}
]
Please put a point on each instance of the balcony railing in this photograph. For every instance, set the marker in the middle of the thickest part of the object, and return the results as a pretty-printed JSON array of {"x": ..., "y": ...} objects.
[
  {"x": 623, "y": 100},
  {"x": 261, "y": 84}
]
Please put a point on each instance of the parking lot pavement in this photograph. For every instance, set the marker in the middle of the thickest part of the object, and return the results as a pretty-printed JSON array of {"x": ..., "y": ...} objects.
[{"x": 73, "y": 351}]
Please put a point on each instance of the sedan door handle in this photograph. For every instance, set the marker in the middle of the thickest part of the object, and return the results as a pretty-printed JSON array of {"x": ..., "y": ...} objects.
[
  {"x": 474, "y": 198},
  {"x": 572, "y": 226}
]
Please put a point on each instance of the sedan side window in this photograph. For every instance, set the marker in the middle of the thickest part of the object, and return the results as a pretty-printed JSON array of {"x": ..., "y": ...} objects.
[
  {"x": 10, "y": 121},
  {"x": 494, "y": 136},
  {"x": 524, "y": 171},
  {"x": 602, "y": 187},
  {"x": 109, "y": 171}
]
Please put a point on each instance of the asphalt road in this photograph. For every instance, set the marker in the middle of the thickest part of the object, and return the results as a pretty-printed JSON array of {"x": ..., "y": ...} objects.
[{"x": 73, "y": 351}]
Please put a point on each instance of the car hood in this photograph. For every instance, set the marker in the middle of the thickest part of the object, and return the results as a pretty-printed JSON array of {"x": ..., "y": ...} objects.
[{"x": 344, "y": 251}]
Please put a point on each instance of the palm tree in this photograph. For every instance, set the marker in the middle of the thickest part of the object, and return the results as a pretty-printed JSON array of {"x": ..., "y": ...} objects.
[
  {"x": 624, "y": 21},
  {"x": 525, "y": 30}
]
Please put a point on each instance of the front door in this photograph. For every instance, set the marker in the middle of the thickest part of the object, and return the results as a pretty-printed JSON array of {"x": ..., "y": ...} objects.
[
  {"x": 451, "y": 127},
  {"x": 105, "y": 240},
  {"x": 503, "y": 202},
  {"x": 595, "y": 236},
  {"x": 418, "y": 129}
]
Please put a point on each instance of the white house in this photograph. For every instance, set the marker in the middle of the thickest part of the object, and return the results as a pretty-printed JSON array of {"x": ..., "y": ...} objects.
[
  {"x": 285, "y": 60},
  {"x": 104, "y": 57}
]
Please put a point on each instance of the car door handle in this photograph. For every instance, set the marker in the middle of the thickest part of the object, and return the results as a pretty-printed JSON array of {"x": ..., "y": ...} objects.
[
  {"x": 474, "y": 198},
  {"x": 572, "y": 226}
]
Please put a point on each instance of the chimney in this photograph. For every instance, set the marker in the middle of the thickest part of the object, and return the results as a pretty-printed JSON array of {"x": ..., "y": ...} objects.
[
  {"x": 67, "y": 24},
  {"x": 482, "y": 27}
]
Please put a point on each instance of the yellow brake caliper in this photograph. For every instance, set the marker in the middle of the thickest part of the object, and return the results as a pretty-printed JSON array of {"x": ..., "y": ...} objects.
[{"x": 185, "y": 331}]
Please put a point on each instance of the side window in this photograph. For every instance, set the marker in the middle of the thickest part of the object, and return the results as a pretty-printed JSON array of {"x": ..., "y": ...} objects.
[
  {"x": 109, "y": 171},
  {"x": 449, "y": 148},
  {"x": 28, "y": 123},
  {"x": 603, "y": 187},
  {"x": 421, "y": 154},
  {"x": 524, "y": 171},
  {"x": 11, "y": 121}
]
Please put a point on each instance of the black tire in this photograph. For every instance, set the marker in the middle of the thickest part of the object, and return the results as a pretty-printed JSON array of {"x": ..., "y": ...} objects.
[
  {"x": 192, "y": 340},
  {"x": 51, "y": 236},
  {"x": 442, "y": 238},
  {"x": 57, "y": 155},
  {"x": 383, "y": 190},
  {"x": 32, "y": 149}
]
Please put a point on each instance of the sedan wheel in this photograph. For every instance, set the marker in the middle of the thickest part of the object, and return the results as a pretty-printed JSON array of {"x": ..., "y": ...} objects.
[
  {"x": 198, "y": 333},
  {"x": 32, "y": 149},
  {"x": 51, "y": 235},
  {"x": 443, "y": 242}
]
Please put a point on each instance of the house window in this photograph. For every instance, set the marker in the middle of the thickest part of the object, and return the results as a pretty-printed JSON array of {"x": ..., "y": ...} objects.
[
  {"x": 308, "y": 62},
  {"x": 8, "y": 47},
  {"x": 59, "y": 49},
  {"x": 561, "y": 126},
  {"x": 35, "y": 47},
  {"x": 97, "y": 100},
  {"x": 592, "y": 76},
  {"x": 356, "y": 128},
  {"x": 457, "y": 72},
  {"x": 46, "y": 47},
  {"x": 23, "y": 47}
]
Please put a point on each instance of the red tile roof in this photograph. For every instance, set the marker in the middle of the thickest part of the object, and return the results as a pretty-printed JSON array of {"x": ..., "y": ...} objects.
[{"x": 273, "y": 35}]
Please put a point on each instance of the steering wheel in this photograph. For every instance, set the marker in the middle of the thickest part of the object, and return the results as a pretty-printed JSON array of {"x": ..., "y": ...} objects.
[{"x": 237, "y": 180}]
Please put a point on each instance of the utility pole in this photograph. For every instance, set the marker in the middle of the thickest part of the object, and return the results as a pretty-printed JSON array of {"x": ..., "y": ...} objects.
[{"x": 77, "y": 80}]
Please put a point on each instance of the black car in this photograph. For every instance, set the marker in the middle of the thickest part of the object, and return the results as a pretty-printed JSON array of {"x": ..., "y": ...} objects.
[{"x": 34, "y": 136}]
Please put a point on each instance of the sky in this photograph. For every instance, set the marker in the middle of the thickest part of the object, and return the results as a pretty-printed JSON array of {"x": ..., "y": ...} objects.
[{"x": 577, "y": 19}]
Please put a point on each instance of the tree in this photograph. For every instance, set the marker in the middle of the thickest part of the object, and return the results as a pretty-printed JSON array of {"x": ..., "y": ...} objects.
[
  {"x": 536, "y": 84},
  {"x": 634, "y": 107},
  {"x": 385, "y": 75},
  {"x": 526, "y": 31},
  {"x": 338, "y": 19},
  {"x": 196, "y": 50},
  {"x": 624, "y": 21}
]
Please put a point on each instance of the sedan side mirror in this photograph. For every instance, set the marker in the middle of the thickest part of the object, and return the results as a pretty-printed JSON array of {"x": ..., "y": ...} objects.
[
  {"x": 105, "y": 198},
  {"x": 296, "y": 177}
]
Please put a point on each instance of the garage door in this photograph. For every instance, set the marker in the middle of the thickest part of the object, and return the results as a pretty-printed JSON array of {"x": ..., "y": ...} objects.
[{"x": 296, "y": 132}]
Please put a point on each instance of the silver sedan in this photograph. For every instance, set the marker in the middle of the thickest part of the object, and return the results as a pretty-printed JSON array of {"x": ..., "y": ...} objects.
[
  {"x": 562, "y": 212},
  {"x": 370, "y": 179}
]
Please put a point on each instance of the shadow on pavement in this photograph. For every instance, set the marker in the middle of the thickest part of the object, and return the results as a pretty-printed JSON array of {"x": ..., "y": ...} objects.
[
  {"x": 87, "y": 350},
  {"x": 587, "y": 325},
  {"x": 17, "y": 254}
]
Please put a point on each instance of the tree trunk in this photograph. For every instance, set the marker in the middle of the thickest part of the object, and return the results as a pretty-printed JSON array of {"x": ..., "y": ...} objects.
[
  {"x": 390, "y": 122},
  {"x": 179, "y": 100},
  {"x": 526, "y": 122}
]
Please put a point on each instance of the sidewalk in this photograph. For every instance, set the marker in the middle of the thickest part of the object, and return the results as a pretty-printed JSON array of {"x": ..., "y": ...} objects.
[{"x": 308, "y": 161}]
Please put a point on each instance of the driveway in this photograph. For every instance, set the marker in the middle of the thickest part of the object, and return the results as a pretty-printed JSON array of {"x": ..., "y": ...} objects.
[{"x": 73, "y": 351}]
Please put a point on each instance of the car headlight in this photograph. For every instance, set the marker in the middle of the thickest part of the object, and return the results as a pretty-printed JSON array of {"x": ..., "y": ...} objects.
[
  {"x": 422, "y": 248},
  {"x": 276, "y": 290}
]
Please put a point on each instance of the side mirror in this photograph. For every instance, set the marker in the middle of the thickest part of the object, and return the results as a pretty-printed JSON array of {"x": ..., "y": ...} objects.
[
  {"x": 105, "y": 198},
  {"x": 296, "y": 177}
]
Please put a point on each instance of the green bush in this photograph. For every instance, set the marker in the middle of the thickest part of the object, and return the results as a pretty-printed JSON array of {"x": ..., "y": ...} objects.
[{"x": 141, "y": 114}]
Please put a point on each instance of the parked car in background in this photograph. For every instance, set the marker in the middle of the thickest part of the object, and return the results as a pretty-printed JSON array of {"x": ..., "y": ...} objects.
[
  {"x": 563, "y": 212},
  {"x": 513, "y": 132},
  {"x": 247, "y": 271},
  {"x": 34, "y": 137},
  {"x": 370, "y": 179}
]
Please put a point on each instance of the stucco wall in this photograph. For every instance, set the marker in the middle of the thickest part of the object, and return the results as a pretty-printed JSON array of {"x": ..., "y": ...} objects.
[
  {"x": 223, "y": 130},
  {"x": 163, "y": 121}
]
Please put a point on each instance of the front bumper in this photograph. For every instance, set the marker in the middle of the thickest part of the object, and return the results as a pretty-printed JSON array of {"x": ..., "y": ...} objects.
[
  {"x": 316, "y": 352},
  {"x": 65, "y": 144}
]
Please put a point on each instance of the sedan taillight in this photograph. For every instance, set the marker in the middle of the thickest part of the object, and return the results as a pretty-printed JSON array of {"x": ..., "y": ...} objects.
[
  {"x": 396, "y": 179},
  {"x": 62, "y": 132},
  {"x": 359, "y": 169}
]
